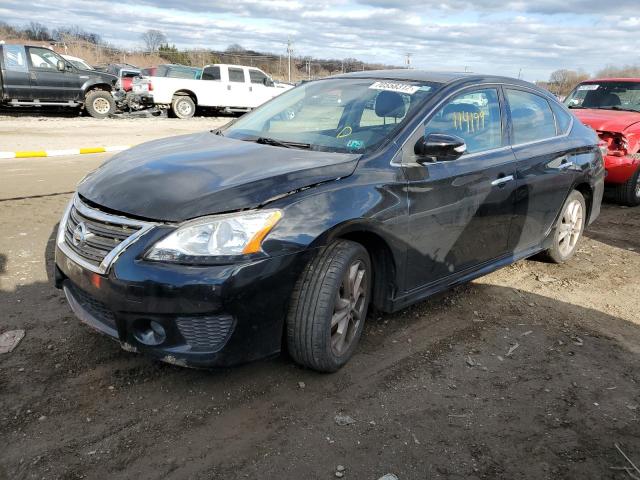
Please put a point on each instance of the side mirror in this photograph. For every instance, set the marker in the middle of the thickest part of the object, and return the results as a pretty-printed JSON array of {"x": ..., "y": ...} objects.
[
  {"x": 267, "y": 82},
  {"x": 440, "y": 147},
  {"x": 61, "y": 66}
]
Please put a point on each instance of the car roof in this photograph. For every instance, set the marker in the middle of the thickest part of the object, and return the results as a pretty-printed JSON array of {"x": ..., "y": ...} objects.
[
  {"x": 444, "y": 78},
  {"x": 612, "y": 79}
]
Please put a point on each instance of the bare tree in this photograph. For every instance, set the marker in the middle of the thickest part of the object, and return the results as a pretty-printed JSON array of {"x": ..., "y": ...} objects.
[
  {"x": 561, "y": 82},
  {"x": 153, "y": 39},
  {"x": 37, "y": 31},
  {"x": 235, "y": 48},
  {"x": 620, "y": 72}
]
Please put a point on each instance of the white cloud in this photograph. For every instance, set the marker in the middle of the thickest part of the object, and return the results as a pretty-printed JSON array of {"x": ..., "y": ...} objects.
[{"x": 484, "y": 35}]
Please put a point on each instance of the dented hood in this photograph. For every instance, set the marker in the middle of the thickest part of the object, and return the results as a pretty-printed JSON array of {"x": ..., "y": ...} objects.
[
  {"x": 189, "y": 176},
  {"x": 607, "y": 120}
]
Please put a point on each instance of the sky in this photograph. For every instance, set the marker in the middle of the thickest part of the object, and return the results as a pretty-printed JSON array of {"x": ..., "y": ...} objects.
[{"x": 531, "y": 37}]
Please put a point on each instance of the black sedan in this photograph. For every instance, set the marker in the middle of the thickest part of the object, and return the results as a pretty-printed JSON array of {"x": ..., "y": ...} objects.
[{"x": 361, "y": 191}]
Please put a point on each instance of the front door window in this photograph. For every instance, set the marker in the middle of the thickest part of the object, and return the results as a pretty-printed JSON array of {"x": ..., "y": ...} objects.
[{"x": 474, "y": 117}]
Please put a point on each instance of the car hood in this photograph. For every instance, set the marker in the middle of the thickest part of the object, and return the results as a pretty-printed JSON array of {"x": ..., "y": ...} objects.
[
  {"x": 180, "y": 178},
  {"x": 607, "y": 120}
]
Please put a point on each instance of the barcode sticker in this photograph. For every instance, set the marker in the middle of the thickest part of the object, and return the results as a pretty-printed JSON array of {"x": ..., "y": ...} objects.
[{"x": 395, "y": 87}]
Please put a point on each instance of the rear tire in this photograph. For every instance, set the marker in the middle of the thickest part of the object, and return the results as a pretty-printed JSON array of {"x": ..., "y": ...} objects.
[
  {"x": 568, "y": 229},
  {"x": 628, "y": 193},
  {"x": 99, "y": 103},
  {"x": 329, "y": 306},
  {"x": 183, "y": 106}
]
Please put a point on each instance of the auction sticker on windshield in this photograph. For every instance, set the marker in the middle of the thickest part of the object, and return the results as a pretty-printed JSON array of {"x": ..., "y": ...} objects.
[
  {"x": 588, "y": 87},
  {"x": 395, "y": 87}
]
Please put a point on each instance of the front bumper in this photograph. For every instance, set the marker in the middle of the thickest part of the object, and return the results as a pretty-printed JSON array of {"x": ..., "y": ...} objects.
[
  {"x": 210, "y": 316},
  {"x": 621, "y": 169}
]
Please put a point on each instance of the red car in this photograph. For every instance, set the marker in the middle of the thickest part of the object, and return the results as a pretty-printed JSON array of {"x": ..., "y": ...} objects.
[{"x": 611, "y": 106}]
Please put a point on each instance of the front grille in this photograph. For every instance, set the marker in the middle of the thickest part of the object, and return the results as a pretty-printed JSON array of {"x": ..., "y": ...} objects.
[
  {"x": 101, "y": 233},
  {"x": 206, "y": 333},
  {"x": 94, "y": 307}
]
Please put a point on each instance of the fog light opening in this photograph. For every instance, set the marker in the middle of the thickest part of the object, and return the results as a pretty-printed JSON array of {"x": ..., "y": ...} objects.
[{"x": 150, "y": 332}]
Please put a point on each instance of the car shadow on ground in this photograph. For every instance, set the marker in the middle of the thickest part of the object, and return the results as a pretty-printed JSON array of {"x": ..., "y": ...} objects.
[
  {"x": 483, "y": 381},
  {"x": 617, "y": 227}
]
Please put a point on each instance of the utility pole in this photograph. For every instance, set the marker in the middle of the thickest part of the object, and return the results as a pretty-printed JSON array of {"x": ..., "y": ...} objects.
[
  {"x": 520, "y": 73},
  {"x": 289, "y": 52},
  {"x": 408, "y": 59},
  {"x": 343, "y": 65}
]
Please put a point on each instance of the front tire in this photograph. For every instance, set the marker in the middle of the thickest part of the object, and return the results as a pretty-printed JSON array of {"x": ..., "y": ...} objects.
[
  {"x": 183, "y": 106},
  {"x": 568, "y": 229},
  {"x": 99, "y": 103},
  {"x": 329, "y": 306},
  {"x": 628, "y": 193}
]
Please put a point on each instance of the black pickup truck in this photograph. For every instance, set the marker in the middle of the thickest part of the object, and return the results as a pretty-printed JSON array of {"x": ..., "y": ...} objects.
[{"x": 37, "y": 76}]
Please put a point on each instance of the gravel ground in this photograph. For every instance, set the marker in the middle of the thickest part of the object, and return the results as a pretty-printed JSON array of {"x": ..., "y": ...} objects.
[
  {"x": 52, "y": 132},
  {"x": 530, "y": 372}
]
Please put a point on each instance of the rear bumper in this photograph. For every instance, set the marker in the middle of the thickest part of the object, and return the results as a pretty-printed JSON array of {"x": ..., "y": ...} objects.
[
  {"x": 210, "y": 316},
  {"x": 621, "y": 169}
]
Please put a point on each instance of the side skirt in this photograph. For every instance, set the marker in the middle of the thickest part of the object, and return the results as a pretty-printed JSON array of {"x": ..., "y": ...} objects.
[{"x": 422, "y": 293}]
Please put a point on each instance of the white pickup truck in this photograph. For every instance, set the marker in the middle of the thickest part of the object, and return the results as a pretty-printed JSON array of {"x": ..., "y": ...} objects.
[{"x": 224, "y": 87}]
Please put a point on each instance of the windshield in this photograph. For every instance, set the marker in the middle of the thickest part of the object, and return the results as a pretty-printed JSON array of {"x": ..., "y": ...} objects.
[
  {"x": 606, "y": 95},
  {"x": 336, "y": 115}
]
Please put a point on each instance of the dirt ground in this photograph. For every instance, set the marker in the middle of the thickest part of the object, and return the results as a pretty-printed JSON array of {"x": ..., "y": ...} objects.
[{"x": 530, "y": 372}]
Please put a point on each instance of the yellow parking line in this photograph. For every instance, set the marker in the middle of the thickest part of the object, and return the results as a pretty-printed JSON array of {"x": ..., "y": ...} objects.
[
  {"x": 27, "y": 154},
  {"x": 93, "y": 150}
]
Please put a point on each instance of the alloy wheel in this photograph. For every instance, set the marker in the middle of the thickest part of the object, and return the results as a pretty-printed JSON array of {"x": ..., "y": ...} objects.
[
  {"x": 350, "y": 304},
  {"x": 570, "y": 227}
]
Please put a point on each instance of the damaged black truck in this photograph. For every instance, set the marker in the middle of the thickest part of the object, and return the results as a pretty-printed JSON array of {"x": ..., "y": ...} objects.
[{"x": 33, "y": 76}]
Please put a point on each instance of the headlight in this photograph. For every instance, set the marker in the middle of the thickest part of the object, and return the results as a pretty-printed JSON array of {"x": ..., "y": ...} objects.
[{"x": 219, "y": 236}]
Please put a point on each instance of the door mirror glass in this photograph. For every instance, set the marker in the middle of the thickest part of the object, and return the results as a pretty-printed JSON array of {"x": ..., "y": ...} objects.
[
  {"x": 439, "y": 147},
  {"x": 268, "y": 82},
  {"x": 61, "y": 66}
]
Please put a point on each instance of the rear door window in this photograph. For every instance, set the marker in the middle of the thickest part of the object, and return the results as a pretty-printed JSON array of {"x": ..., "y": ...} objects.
[
  {"x": 531, "y": 117},
  {"x": 14, "y": 58},
  {"x": 211, "y": 73},
  {"x": 236, "y": 75}
]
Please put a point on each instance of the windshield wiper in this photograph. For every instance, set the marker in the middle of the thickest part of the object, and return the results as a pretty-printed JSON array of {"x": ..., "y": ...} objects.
[{"x": 279, "y": 143}]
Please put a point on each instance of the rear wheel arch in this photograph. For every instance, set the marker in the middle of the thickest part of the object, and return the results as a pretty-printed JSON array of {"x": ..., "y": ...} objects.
[
  {"x": 187, "y": 93},
  {"x": 96, "y": 86},
  {"x": 587, "y": 192}
]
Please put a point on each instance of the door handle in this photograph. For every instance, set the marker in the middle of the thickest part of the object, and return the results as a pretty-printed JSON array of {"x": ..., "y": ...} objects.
[
  {"x": 228, "y": 87},
  {"x": 32, "y": 75},
  {"x": 502, "y": 180}
]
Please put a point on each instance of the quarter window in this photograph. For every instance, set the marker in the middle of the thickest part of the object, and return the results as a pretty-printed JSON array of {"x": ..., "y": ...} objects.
[
  {"x": 14, "y": 58},
  {"x": 236, "y": 75},
  {"x": 211, "y": 73},
  {"x": 257, "y": 76},
  {"x": 531, "y": 117},
  {"x": 474, "y": 117},
  {"x": 563, "y": 118}
]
